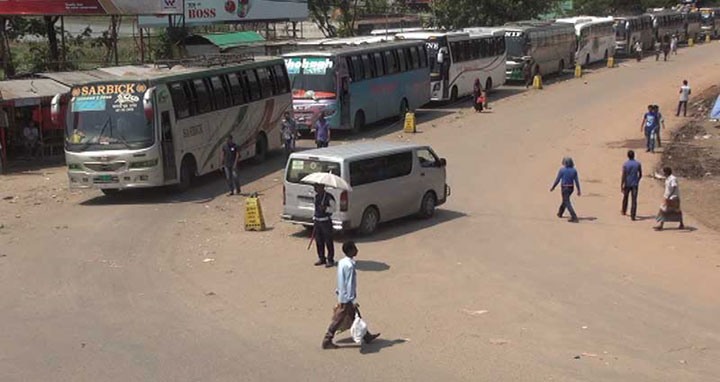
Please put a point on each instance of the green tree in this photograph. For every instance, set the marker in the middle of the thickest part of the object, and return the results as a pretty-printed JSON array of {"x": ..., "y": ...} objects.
[
  {"x": 453, "y": 14},
  {"x": 334, "y": 17},
  {"x": 618, "y": 7}
]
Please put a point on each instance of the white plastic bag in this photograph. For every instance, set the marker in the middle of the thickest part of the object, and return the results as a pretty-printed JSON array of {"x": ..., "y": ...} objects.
[{"x": 358, "y": 329}]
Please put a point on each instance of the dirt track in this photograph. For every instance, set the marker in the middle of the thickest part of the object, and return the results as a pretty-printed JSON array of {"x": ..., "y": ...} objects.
[{"x": 116, "y": 289}]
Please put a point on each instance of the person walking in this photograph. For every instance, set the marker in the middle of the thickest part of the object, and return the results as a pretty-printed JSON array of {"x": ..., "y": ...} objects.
[
  {"x": 665, "y": 48},
  {"x": 289, "y": 133},
  {"x": 568, "y": 178},
  {"x": 477, "y": 94},
  {"x": 657, "y": 47},
  {"x": 638, "y": 51},
  {"x": 684, "y": 97},
  {"x": 528, "y": 72},
  {"x": 346, "y": 292},
  {"x": 323, "y": 227},
  {"x": 674, "y": 44},
  {"x": 322, "y": 131},
  {"x": 670, "y": 210},
  {"x": 230, "y": 161},
  {"x": 660, "y": 125},
  {"x": 649, "y": 126},
  {"x": 629, "y": 183}
]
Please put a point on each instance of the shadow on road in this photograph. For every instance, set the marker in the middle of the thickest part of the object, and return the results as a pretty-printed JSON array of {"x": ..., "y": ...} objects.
[
  {"x": 379, "y": 344},
  {"x": 404, "y": 226},
  {"x": 371, "y": 266}
]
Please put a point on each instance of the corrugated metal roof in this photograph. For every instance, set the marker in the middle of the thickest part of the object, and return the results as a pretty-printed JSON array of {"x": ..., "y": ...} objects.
[
  {"x": 231, "y": 40},
  {"x": 34, "y": 88}
]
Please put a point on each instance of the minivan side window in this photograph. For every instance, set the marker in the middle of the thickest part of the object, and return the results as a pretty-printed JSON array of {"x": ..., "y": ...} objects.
[
  {"x": 427, "y": 158},
  {"x": 372, "y": 170}
]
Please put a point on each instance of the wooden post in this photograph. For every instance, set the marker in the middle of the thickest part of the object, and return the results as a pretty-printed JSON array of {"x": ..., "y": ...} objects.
[
  {"x": 114, "y": 20},
  {"x": 142, "y": 46}
]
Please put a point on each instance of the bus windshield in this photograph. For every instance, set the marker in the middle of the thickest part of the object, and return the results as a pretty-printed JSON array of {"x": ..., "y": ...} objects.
[
  {"x": 433, "y": 49},
  {"x": 620, "y": 29},
  {"x": 108, "y": 117},
  {"x": 312, "y": 77},
  {"x": 706, "y": 18},
  {"x": 516, "y": 44}
]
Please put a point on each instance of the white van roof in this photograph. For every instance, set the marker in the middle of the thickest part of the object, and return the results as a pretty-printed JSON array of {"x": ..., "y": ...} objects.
[{"x": 357, "y": 150}]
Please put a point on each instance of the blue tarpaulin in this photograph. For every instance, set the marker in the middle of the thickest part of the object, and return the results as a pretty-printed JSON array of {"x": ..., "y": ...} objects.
[{"x": 715, "y": 112}]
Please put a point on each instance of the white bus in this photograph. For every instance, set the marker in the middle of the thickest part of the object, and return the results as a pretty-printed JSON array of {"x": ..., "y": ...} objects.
[
  {"x": 630, "y": 29},
  {"x": 595, "y": 38},
  {"x": 156, "y": 126},
  {"x": 546, "y": 47},
  {"x": 457, "y": 59}
]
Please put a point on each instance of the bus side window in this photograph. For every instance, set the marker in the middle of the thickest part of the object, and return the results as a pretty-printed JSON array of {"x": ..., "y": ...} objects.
[
  {"x": 414, "y": 57},
  {"x": 358, "y": 69},
  {"x": 179, "y": 100},
  {"x": 265, "y": 84},
  {"x": 423, "y": 56},
  {"x": 219, "y": 94},
  {"x": 369, "y": 66},
  {"x": 191, "y": 96},
  {"x": 252, "y": 84},
  {"x": 379, "y": 67},
  {"x": 281, "y": 76},
  {"x": 402, "y": 60},
  {"x": 391, "y": 62},
  {"x": 235, "y": 89},
  {"x": 202, "y": 96}
]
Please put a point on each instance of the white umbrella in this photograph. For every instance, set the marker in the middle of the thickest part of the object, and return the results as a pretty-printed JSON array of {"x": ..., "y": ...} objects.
[{"x": 327, "y": 179}]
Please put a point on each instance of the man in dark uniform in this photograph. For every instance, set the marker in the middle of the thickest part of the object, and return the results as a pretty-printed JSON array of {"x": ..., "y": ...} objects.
[{"x": 323, "y": 228}]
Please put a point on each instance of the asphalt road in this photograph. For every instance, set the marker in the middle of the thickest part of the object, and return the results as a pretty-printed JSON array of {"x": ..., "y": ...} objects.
[{"x": 495, "y": 287}]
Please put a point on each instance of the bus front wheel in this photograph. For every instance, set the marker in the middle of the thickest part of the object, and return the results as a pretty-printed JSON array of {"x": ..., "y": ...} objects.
[
  {"x": 187, "y": 171},
  {"x": 403, "y": 109},
  {"x": 454, "y": 94},
  {"x": 359, "y": 122},
  {"x": 561, "y": 66}
]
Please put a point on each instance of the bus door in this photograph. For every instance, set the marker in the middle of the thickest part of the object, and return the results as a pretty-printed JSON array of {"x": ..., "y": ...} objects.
[
  {"x": 167, "y": 146},
  {"x": 343, "y": 84}
]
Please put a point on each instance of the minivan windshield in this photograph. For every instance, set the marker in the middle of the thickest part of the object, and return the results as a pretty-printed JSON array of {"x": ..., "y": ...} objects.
[
  {"x": 108, "y": 117},
  {"x": 300, "y": 168}
]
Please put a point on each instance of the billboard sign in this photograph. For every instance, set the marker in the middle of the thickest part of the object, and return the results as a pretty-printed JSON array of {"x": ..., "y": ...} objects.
[
  {"x": 90, "y": 7},
  {"x": 200, "y": 12}
]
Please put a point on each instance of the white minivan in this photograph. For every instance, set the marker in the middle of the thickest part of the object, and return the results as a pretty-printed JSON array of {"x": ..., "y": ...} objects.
[{"x": 389, "y": 180}]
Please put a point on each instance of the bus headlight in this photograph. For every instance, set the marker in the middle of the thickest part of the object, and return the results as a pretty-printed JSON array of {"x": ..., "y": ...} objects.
[
  {"x": 74, "y": 166},
  {"x": 144, "y": 164}
]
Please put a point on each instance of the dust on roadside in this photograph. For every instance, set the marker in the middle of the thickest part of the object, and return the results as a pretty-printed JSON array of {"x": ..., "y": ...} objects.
[{"x": 694, "y": 155}]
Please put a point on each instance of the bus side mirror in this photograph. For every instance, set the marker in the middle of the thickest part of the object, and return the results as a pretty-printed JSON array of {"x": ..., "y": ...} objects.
[
  {"x": 443, "y": 162},
  {"x": 148, "y": 104},
  {"x": 55, "y": 106}
]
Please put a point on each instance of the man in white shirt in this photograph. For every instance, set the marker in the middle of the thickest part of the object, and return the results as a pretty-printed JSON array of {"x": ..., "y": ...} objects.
[
  {"x": 346, "y": 291},
  {"x": 684, "y": 97}
]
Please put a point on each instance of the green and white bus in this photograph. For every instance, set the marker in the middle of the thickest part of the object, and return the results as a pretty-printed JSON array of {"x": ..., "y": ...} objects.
[{"x": 155, "y": 126}]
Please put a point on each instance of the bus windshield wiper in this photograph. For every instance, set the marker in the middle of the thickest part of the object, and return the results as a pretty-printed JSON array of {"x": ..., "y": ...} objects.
[{"x": 102, "y": 130}]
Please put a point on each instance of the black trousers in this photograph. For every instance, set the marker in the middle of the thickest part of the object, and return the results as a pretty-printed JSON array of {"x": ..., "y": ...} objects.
[
  {"x": 324, "y": 239},
  {"x": 627, "y": 191},
  {"x": 682, "y": 105}
]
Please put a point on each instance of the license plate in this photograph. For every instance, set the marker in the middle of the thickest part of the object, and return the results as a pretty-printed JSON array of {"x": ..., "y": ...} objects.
[{"x": 105, "y": 178}]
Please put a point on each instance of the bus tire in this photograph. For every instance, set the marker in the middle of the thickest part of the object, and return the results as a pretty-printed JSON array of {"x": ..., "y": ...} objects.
[
  {"x": 110, "y": 191},
  {"x": 187, "y": 173},
  {"x": 404, "y": 108},
  {"x": 561, "y": 66},
  {"x": 587, "y": 59},
  {"x": 488, "y": 84},
  {"x": 427, "y": 205},
  {"x": 453, "y": 94},
  {"x": 370, "y": 221},
  {"x": 605, "y": 56},
  {"x": 359, "y": 122},
  {"x": 261, "y": 149}
]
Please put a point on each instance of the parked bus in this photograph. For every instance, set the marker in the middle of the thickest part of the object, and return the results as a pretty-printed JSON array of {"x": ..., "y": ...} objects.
[
  {"x": 163, "y": 126},
  {"x": 693, "y": 25},
  {"x": 710, "y": 22},
  {"x": 629, "y": 29},
  {"x": 668, "y": 23},
  {"x": 456, "y": 59},
  {"x": 357, "y": 85},
  {"x": 595, "y": 38},
  {"x": 548, "y": 47}
]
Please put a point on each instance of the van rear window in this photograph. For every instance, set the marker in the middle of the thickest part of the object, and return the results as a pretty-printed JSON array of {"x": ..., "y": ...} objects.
[{"x": 300, "y": 168}]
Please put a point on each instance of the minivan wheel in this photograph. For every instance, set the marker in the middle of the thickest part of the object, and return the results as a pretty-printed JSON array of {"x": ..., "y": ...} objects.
[
  {"x": 370, "y": 221},
  {"x": 427, "y": 207}
]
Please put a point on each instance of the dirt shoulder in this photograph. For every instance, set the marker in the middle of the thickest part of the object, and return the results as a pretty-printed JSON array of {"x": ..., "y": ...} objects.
[{"x": 694, "y": 156}]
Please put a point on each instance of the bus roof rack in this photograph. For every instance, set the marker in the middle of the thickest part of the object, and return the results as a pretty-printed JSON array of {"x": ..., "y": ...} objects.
[{"x": 207, "y": 60}]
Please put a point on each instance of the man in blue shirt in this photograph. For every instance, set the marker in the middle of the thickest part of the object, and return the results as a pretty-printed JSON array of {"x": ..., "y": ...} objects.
[
  {"x": 631, "y": 175},
  {"x": 568, "y": 179},
  {"x": 650, "y": 127},
  {"x": 347, "y": 292},
  {"x": 322, "y": 131}
]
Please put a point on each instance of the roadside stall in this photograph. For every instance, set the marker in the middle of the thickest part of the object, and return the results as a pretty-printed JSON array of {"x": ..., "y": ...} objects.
[{"x": 26, "y": 132}]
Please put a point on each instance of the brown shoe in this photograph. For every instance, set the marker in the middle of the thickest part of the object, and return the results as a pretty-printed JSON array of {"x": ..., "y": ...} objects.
[
  {"x": 328, "y": 344},
  {"x": 370, "y": 337}
]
